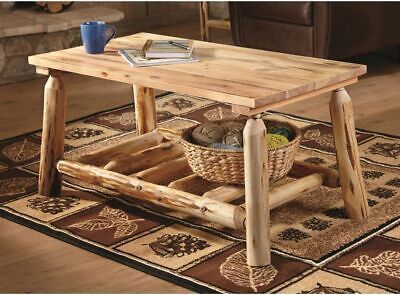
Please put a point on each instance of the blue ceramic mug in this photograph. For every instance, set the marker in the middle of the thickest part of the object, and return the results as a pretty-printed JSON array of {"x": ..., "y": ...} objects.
[{"x": 93, "y": 35}]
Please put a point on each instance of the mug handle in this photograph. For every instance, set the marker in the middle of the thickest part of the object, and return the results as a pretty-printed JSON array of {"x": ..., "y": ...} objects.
[{"x": 114, "y": 32}]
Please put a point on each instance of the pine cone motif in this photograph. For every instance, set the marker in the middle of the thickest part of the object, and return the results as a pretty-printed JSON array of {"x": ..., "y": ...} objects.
[
  {"x": 53, "y": 205},
  {"x": 389, "y": 150},
  {"x": 316, "y": 224},
  {"x": 77, "y": 133},
  {"x": 394, "y": 182},
  {"x": 177, "y": 245},
  {"x": 336, "y": 213},
  {"x": 371, "y": 174},
  {"x": 293, "y": 234},
  {"x": 382, "y": 193},
  {"x": 372, "y": 203}
]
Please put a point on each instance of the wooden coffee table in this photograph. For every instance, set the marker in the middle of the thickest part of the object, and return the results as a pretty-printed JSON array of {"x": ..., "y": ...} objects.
[{"x": 251, "y": 81}]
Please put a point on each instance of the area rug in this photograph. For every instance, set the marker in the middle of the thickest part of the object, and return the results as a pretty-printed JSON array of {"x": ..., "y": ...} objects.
[{"x": 316, "y": 247}]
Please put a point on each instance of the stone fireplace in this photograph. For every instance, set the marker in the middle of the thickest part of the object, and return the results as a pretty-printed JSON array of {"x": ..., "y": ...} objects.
[{"x": 28, "y": 30}]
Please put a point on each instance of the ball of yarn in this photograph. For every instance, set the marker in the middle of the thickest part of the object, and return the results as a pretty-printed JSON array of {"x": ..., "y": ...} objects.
[
  {"x": 230, "y": 125},
  {"x": 276, "y": 140},
  {"x": 283, "y": 130},
  {"x": 208, "y": 133},
  {"x": 223, "y": 146},
  {"x": 234, "y": 137}
]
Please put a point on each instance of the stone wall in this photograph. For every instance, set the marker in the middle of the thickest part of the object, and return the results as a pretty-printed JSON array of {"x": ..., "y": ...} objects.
[
  {"x": 14, "y": 52},
  {"x": 25, "y": 32}
]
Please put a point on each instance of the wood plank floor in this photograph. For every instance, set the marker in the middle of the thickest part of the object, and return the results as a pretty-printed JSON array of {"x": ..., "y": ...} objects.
[{"x": 33, "y": 262}]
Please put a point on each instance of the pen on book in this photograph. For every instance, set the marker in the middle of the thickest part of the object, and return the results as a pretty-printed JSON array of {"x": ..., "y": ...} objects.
[{"x": 179, "y": 45}]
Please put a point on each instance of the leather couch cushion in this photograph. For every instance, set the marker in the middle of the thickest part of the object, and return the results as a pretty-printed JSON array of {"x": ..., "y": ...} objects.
[
  {"x": 290, "y": 12},
  {"x": 297, "y": 39}
]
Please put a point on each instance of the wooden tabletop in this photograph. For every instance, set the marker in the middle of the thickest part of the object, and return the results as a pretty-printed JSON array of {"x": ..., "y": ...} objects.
[{"x": 240, "y": 76}]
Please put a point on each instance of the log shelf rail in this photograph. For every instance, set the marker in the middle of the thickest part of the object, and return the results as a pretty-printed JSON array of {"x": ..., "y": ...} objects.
[
  {"x": 152, "y": 167},
  {"x": 144, "y": 182},
  {"x": 147, "y": 179}
]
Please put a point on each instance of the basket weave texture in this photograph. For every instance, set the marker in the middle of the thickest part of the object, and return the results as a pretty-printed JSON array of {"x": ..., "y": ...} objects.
[{"x": 226, "y": 166}]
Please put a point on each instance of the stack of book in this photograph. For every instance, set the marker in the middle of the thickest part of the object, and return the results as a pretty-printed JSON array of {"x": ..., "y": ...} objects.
[{"x": 160, "y": 52}]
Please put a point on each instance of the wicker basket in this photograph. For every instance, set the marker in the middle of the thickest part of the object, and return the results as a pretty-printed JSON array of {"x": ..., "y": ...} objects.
[{"x": 219, "y": 165}]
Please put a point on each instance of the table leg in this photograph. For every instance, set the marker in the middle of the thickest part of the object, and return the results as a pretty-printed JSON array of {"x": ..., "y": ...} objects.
[
  {"x": 351, "y": 181},
  {"x": 52, "y": 148},
  {"x": 256, "y": 190},
  {"x": 145, "y": 109}
]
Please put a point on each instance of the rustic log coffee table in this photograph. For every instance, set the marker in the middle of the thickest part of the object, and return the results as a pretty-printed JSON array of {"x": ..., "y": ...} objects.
[{"x": 251, "y": 81}]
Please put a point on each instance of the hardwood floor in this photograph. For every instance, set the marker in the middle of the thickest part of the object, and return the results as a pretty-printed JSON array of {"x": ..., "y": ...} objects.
[{"x": 33, "y": 262}]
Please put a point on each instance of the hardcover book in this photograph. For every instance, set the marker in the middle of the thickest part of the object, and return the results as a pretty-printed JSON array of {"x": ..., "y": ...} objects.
[
  {"x": 136, "y": 59},
  {"x": 168, "y": 49}
]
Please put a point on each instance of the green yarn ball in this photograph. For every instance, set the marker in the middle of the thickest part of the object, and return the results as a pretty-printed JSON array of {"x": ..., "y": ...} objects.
[
  {"x": 276, "y": 140},
  {"x": 284, "y": 131}
]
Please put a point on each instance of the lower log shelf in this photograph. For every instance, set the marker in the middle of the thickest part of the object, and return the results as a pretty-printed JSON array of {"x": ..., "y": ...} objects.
[{"x": 152, "y": 167}]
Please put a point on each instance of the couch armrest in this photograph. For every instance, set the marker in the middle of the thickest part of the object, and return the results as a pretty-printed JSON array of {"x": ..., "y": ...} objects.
[{"x": 322, "y": 25}]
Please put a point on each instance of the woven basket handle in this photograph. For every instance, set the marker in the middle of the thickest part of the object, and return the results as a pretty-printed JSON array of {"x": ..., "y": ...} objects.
[{"x": 171, "y": 134}]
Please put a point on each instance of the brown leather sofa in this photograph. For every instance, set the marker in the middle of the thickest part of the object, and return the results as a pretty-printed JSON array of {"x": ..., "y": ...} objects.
[{"x": 334, "y": 30}]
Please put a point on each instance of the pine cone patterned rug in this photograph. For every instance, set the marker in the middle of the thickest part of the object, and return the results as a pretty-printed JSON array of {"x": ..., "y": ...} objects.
[{"x": 316, "y": 247}]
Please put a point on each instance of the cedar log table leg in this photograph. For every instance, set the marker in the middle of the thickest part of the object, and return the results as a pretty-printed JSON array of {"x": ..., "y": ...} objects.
[
  {"x": 256, "y": 193},
  {"x": 145, "y": 109},
  {"x": 52, "y": 148},
  {"x": 350, "y": 177}
]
